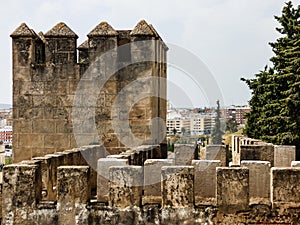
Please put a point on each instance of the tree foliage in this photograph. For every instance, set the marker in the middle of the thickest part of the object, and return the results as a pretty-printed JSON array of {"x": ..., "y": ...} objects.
[
  {"x": 217, "y": 132},
  {"x": 275, "y": 102},
  {"x": 231, "y": 126}
]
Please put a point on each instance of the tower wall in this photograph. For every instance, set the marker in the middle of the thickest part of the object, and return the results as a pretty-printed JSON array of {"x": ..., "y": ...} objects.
[{"x": 46, "y": 75}]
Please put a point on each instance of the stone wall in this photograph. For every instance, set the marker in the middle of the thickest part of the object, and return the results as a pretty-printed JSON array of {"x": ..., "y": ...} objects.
[
  {"x": 244, "y": 148},
  {"x": 47, "y": 77},
  {"x": 259, "y": 181},
  {"x": 284, "y": 155},
  {"x": 27, "y": 186}
]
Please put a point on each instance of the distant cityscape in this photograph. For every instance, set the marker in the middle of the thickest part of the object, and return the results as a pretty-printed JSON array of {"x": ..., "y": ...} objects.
[
  {"x": 5, "y": 124},
  {"x": 182, "y": 121},
  {"x": 200, "y": 121}
]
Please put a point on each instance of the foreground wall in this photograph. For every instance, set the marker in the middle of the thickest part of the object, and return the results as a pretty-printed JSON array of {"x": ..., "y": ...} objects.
[{"x": 62, "y": 192}]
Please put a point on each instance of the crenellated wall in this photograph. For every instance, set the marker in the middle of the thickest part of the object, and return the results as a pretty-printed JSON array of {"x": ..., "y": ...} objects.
[
  {"x": 50, "y": 85},
  {"x": 139, "y": 189},
  {"x": 244, "y": 148}
]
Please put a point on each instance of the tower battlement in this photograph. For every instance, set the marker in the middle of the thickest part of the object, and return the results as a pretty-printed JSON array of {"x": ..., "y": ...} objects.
[{"x": 46, "y": 78}]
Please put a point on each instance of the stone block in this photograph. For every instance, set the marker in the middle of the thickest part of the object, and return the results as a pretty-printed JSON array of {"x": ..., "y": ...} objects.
[
  {"x": 295, "y": 164},
  {"x": 216, "y": 152},
  {"x": 43, "y": 126},
  {"x": 161, "y": 152},
  {"x": 263, "y": 152},
  {"x": 23, "y": 126},
  {"x": 232, "y": 189},
  {"x": 54, "y": 140},
  {"x": 177, "y": 186},
  {"x": 103, "y": 176},
  {"x": 46, "y": 174},
  {"x": 25, "y": 140},
  {"x": 205, "y": 180},
  {"x": 284, "y": 155},
  {"x": 259, "y": 181},
  {"x": 125, "y": 186},
  {"x": 21, "y": 193},
  {"x": 152, "y": 179},
  {"x": 285, "y": 186},
  {"x": 73, "y": 194},
  {"x": 184, "y": 154},
  {"x": 21, "y": 153}
]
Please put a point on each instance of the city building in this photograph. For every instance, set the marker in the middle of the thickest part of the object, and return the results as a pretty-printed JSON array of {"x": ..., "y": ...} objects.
[
  {"x": 237, "y": 113},
  {"x": 187, "y": 122},
  {"x": 6, "y": 135}
]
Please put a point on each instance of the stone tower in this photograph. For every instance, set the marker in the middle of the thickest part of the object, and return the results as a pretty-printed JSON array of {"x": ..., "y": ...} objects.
[{"x": 46, "y": 75}]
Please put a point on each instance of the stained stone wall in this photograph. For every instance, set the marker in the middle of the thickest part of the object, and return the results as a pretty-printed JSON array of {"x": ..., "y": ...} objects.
[
  {"x": 285, "y": 187},
  {"x": 74, "y": 203},
  {"x": 46, "y": 75},
  {"x": 233, "y": 189},
  {"x": 259, "y": 181},
  {"x": 217, "y": 152},
  {"x": 205, "y": 181},
  {"x": 284, "y": 155},
  {"x": 257, "y": 152}
]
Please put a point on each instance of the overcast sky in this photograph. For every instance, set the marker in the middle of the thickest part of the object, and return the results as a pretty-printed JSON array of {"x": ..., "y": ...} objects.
[{"x": 229, "y": 36}]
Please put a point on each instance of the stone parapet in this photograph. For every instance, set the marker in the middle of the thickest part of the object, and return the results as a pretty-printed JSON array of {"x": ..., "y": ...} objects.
[
  {"x": 177, "y": 187},
  {"x": 184, "y": 154},
  {"x": 104, "y": 165},
  {"x": 73, "y": 194},
  {"x": 20, "y": 193},
  {"x": 232, "y": 189},
  {"x": 259, "y": 181},
  {"x": 285, "y": 187},
  {"x": 152, "y": 180},
  {"x": 205, "y": 181},
  {"x": 126, "y": 186}
]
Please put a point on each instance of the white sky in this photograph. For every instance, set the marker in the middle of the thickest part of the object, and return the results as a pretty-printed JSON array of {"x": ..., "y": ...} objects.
[{"x": 229, "y": 36}]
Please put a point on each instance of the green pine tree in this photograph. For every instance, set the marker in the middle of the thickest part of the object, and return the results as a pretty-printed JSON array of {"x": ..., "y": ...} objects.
[
  {"x": 275, "y": 102},
  {"x": 217, "y": 132}
]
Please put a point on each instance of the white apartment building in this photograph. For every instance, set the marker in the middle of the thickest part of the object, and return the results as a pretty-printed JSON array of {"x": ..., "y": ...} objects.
[{"x": 190, "y": 123}]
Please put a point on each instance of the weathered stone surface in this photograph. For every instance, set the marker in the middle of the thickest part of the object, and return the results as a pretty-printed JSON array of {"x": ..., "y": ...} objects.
[
  {"x": 103, "y": 176},
  {"x": 23, "y": 31},
  {"x": 285, "y": 186},
  {"x": 177, "y": 187},
  {"x": 184, "y": 154},
  {"x": 295, "y": 164},
  {"x": 235, "y": 149},
  {"x": 284, "y": 155},
  {"x": 20, "y": 194},
  {"x": 61, "y": 30},
  {"x": 142, "y": 28},
  {"x": 232, "y": 189},
  {"x": 205, "y": 181},
  {"x": 126, "y": 184},
  {"x": 259, "y": 181},
  {"x": 103, "y": 29},
  {"x": 152, "y": 179},
  {"x": 73, "y": 193},
  {"x": 263, "y": 152},
  {"x": 47, "y": 74},
  {"x": 216, "y": 152}
]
